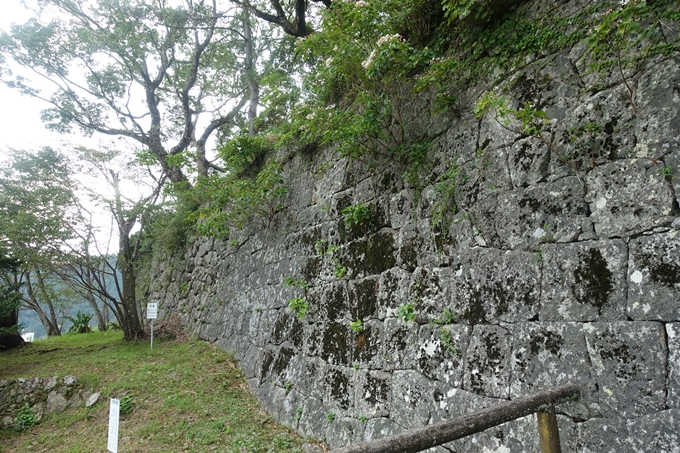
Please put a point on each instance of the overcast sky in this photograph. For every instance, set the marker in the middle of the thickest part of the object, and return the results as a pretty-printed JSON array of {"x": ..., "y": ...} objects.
[{"x": 20, "y": 125}]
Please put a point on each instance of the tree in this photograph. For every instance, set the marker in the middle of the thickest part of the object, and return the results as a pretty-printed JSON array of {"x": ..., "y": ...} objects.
[
  {"x": 10, "y": 300},
  {"x": 102, "y": 275},
  {"x": 38, "y": 208},
  {"x": 137, "y": 69},
  {"x": 293, "y": 22}
]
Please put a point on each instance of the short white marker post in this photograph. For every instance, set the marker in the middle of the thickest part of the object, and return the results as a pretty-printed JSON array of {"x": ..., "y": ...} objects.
[
  {"x": 151, "y": 313},
  {"x": 114, "y": 415}
]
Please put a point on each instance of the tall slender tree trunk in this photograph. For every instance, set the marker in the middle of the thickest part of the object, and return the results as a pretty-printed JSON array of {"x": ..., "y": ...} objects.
[{"x": 50, "y": 322}]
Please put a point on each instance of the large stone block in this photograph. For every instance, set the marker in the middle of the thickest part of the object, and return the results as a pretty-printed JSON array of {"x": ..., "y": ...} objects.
[
  {"x": 489, "y": 285},
  {"x": 488, "y": 367},
  {"x": 584, "y": 281},
  {"x": 413, "y": 398},
  {"x": 628, "y": 197},
  {"x": 658, "y": 130},
  {"x": 441, "y": 352},
  {"x": 629, "y": 361},
  {"x": 546, "y": 355},
  {"x": 654, "y": 277},
  {"x": 651, "y": 433},
  {"x": 673, "y": 335},
  {"x": 372, "y": 396}
]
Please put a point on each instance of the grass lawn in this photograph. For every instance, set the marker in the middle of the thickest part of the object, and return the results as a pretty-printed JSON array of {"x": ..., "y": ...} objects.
[{"x": 187, "y": 397}]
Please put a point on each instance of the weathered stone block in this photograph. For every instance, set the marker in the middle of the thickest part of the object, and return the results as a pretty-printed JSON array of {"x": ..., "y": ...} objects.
[
  {"x": 628, "y": 197},
  {"x": 339, "y": 393},
  {"x": 657, "y": 96},
  {"x": 400, "y": 342},
  {"x": 343, "y": 431},
  {"x": 528, "y": 160},
  {"x": 651, "y": 433},
  {"x": 441, "y": 352},
  {"x": 489, "y": 285},
  {"x": 488, "y": 362},
  {"x": 629, "y": 362},
  {"x": 673, "y": 335},
  {"x": 451, "y": 402},
  {"x": 413, "y": 397},
  {"x": 583, "y": 281},
  {"x": 393, "y": 288},
  {"x": 372, "y": 396},
  {"x": 378, "y": 428},
  {"x": 654, "y": 277},
  {"x": 546, "y": 355}
]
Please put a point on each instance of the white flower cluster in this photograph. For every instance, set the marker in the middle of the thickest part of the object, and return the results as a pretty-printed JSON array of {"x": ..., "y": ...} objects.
[
  {"x": 383, "y": 40},
  {"x": 387, "y": 38},
  {"x": 371, "y": 58},
  {"x": 358, "y": 3},
  {"x": 329, "y": 61}
]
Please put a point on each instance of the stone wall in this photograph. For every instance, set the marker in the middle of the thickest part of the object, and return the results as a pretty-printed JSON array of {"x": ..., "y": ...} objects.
[
  {"x": 46, "y": 396},
  {"x": 540, "y": 275}
]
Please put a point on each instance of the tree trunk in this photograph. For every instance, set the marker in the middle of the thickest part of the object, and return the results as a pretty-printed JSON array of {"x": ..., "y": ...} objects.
[
  {"x": 10, "y": 340},
  {"x": 50, "y": 324}
]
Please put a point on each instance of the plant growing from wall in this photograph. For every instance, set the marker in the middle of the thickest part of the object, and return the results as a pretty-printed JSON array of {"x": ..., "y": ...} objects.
[
  {"x": 357, "y": 215},
  {"x": 231, "y": 200},
  {"x": 298, "y": 306},
  {"x": 357, "y": 326},
  {"x": 26, "y": 418},
  {"x": 614, "y": 34},
  {"x": 407, "y": 312},
  {"x": 447, "y": 342},
  {"x": 524, "y": 121}
]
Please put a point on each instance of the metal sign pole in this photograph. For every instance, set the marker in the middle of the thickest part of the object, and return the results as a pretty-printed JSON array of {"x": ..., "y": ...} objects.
[{"x": 151, "y": 313}]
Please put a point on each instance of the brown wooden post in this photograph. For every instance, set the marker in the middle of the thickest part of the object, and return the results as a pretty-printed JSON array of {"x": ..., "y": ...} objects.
[{"x": 547, "y": 431}]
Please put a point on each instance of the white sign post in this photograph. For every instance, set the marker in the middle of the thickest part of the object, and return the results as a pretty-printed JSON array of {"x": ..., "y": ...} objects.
[
  {"x": 151, "y": 313},
  {"x": 114, "y": 416}
]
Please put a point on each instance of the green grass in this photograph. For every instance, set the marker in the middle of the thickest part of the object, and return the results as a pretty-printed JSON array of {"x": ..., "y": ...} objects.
[{"x": 187, "y": 397}]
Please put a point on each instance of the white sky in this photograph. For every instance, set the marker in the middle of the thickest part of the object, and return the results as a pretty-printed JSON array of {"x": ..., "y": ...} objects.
[
  {"x": 22, "y": 129},
  {"x": 20, "y": 125}
]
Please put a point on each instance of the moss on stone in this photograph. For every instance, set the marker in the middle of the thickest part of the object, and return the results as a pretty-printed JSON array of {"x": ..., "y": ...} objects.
[{"x": 595, "y": 280}]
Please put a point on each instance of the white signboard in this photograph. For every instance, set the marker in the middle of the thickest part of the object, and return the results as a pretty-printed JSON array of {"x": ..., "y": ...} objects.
[
  {"x": 151, "y": 311},
  {"x": 114, "y": 416}
]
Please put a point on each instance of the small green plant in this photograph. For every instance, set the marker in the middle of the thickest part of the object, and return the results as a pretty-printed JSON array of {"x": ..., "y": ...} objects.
[
  {"x": 357, "y": 215},
  {"x": 258, "y": 310},
  {"x": 447, "y": 317},
  {"x": 357, "y": 326},
  {"x": 447, "y": 342},
  {"x": 290, "y": 281},
  {"x": 667, "y": 171},
  {"x": 184, "y": 287},
  {"x": 538, "y": 257},
  {"x": 126, "y": 404},
  {"x": 81, "y": 323},
  {"x": 299, "y": 306},
  {"x": 289, "y": 387},
  {"x": 407, "y": 312},
  {"x": 26, "y": 418},
  {"x": 330, "y": 416},
  {"x": 355, "y": 366},
  {"x": 531, "y": 121},
  {"x": 362, "y": 418},
  {"x": 340, "y": 271},
  {"x": 298, "y": 414}
]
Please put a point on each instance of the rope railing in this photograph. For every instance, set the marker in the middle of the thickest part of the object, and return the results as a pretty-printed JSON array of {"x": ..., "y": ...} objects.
[{"x": 419, "y": 439}]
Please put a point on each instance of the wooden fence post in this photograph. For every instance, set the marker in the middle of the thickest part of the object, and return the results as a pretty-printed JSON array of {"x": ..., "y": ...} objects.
[{"x": 547, "y": 431}]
